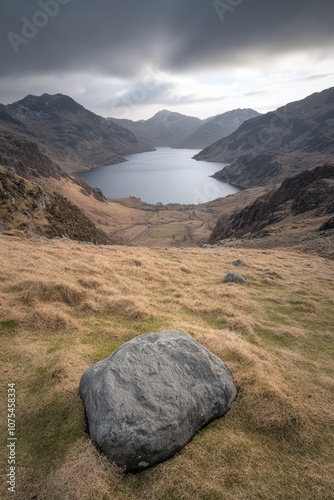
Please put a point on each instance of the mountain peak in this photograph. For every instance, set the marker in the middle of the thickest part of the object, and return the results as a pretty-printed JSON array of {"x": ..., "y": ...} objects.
[{"x": 46, "y": 103}]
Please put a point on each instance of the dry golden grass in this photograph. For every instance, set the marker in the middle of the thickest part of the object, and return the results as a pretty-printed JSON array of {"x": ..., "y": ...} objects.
[{"x": 64, "y": 306}]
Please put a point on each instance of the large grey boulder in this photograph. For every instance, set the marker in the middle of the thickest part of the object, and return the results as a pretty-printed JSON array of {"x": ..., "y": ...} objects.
[{"x": 149, "y": 398}]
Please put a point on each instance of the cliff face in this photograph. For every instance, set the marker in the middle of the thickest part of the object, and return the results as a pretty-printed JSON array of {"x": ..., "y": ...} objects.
[
  {"x": 68, "y": 133},
  {"x": 277, "y": 145},
  {"x": 309, "y": 194}
]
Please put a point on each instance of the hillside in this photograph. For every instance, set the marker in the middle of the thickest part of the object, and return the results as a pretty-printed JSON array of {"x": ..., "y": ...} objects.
[
  {"x": 279, "y": 144},
  {"x": 24, "y": 205},
  {"x": 217, "y": 128},
  {"x": 65, "y": 306},
  {"x": 300, "y": 213},
  {"x": 119, "y": 221},
  {"x": 68, "y": 133},
  {"x": 164, "y": 129}
]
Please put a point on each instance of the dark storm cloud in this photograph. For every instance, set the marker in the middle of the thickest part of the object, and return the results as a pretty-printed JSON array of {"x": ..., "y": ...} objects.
[{"x": 119, "y": 38}]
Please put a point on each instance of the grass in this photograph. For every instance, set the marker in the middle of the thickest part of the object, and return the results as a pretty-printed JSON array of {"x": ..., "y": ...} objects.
[{"x": 69, "y": 307}]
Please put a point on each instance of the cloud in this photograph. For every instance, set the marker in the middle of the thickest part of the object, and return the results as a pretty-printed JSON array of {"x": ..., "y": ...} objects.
[
  {"x": 207, "y": 58},
  {"x": 120, "y": 38}
]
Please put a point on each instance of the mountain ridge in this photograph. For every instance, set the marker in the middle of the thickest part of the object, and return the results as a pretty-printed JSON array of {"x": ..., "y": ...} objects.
[
  {"x": 72, "y": 136},
  {"x": 276, "y": 145}
]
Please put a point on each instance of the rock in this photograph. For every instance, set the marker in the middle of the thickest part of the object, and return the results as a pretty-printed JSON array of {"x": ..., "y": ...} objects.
[
  {"x": 31, "y": 234},
  {"x": 89, "y": 243},
  {"x": 234, "y": 278},
  {"x": 3, "y": 226},
  {"x": 329, "y": 224},
  {"x": 238, "y": 262},
  {"x": 148, "y": 399},
  {"x": 206, "y": 246},
  {"x": 27, "y": 214},
  {"x": 270, "y": 272}
]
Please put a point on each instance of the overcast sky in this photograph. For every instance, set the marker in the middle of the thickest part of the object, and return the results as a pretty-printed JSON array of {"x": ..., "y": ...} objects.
[{"x": 132, "y": 58}]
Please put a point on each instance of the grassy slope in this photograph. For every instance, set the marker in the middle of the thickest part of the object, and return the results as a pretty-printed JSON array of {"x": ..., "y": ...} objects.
[{"x": 65, "y": 306}]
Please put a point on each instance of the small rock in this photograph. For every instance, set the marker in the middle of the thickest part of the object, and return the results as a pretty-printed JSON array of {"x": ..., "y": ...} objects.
[
  {"x": 86, "y": 243},
  {"x": 238, "y": 262},
  {"x": 234, "y": 278},
  {"x": 148, "y": 399},
  {"x": 31, "y": 234},
  {"x": 3, "y": 226},
  {"x": 27, "y": 214},
  {"x": 329, "y": 224},
  {"x": 206, "y": 246},
  {"x": 270, "y": 272}
]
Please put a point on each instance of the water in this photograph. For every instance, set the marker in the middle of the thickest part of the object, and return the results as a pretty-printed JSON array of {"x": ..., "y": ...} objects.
[{"x": 165, "y": 175}]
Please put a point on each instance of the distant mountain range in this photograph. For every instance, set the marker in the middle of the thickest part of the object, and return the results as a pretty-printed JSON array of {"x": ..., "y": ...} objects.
[
  {"x": 78, "y": 139},
  {"x": 68, "y": 133},
  {"x": 180, "y": 131},
  {"x": 164, "y": 129},
  {"x": 216, "y": 128},
  {"x": 269, "y": 148}
]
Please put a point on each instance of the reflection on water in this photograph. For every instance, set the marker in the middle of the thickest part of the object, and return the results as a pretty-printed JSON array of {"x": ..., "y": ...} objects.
[{"x": 165, "y": 175}]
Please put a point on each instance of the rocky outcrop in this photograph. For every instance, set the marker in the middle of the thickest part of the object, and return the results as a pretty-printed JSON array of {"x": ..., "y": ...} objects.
[
  {"x": 24, "y": 158},
  {"x": 267, "y": 149},
  {"x": 234, "y": 278},
  {"x": 24, "y": 205},
  {"x": 149, "y": 398},
  {"x": 312, "y": 190}
]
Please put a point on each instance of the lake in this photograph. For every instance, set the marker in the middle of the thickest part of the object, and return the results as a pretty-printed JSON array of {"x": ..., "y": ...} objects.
[{"x": 166, "y": 175}]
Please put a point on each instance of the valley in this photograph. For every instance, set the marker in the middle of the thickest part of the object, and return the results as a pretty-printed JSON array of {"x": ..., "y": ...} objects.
[{"x": 83, "y": 273}]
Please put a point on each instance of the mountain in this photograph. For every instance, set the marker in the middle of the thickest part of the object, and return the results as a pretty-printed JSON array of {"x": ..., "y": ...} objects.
[
  {"x": 68, "y": 133},
  {"x": 299, "y": 213},
  {"x": 217, "y": 128},
  {"x": 164, "y": 129},
  {"x": 279, "y": 144}
]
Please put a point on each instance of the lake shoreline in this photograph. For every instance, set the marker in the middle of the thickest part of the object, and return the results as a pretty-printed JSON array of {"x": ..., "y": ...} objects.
[{"x": 166, "y": 175}]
